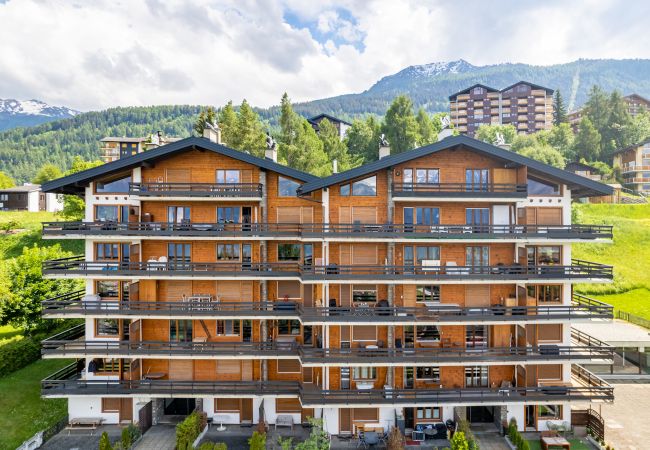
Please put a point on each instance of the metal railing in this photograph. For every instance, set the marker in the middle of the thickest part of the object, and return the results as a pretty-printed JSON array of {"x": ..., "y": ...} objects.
[
  {"x": 459, "y": 189},
  {"x": 637, "y": 320},
  {"x": 586, "y": 340},
  {"x": 197, "y": 189}
]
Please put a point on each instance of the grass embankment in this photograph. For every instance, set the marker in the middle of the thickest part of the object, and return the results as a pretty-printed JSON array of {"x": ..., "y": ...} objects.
[{"x": 629, "y": 254}]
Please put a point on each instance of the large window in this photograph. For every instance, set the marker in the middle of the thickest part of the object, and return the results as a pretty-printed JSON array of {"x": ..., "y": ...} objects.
[
  {"x": 364, "y": 293},
  {"x": 477, "y": 216},
  {"x": 422, "y": 216},
  {"x": 227, "y": 252},
  {"x": 365, "y": 188},
  {"x": 179, "y": 254},
  {"x": 287, "y": 187},
  {"x": 540, "y": 187},
  {"x": 108, "y": 289},
  {"x": 427, "y": 176},
  {"x": 364, "y": 373},
  {"x": 107, "y": 327},
  {"x": 428, "y": 373},
  {"x": 476, "y": 336},
  {"x": 544, "y": 255},
  {"x": 429, "y": 293},
  {"x": 107, "y": 252},
  {"x": 476, "y": 376},
  {"x": 549, "y": 412},
  {"x": 228, "y": 176},
  {"x": 120, "y": 185},
  {"x": 180, "y": 330},
  {"x": 477, "y": 256},
  {"x": 228, "y": 327},
  {"x": 546, "y": 293},
  {"x": 477, "y": 179},
  {"x": 415, "y": 255},
  {"x": 228, "y": 215},
  {"x": 288, "y": 327},
  {"x": 288, "y": 252},
  {"x": 178, "y": 214},
  {"x": 427, "y": 333},
  {"x": 429, "y": 413},
  {"x": 108, "y": 213}
]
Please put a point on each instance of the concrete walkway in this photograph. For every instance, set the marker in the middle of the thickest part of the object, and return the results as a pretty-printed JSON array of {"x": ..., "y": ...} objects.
[
  {"x": 491, "y": 441},
  {"x": 158, "y": 437}
]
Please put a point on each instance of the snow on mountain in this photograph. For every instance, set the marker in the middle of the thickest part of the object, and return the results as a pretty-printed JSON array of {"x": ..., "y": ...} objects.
[{"x": 24, "y": 113}]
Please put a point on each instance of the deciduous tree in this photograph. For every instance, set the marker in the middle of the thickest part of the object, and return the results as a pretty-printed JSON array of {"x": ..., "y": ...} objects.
[
  {"x": 47, "y": 173},
  {"x": 400, "y": 125},
  {"x": 587, "y": 141}
]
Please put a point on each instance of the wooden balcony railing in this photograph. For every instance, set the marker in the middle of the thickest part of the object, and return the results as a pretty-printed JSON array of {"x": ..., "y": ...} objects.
[
  {"x": 296, "y": 230},
  {"x": 219, "y": 190},
  {"x": 459, "y": 190}
]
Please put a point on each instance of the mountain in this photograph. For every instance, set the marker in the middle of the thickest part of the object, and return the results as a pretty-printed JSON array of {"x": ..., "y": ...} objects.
[
  {"x": 430, "y": 85},
  {"x": 26, "y": 113}
]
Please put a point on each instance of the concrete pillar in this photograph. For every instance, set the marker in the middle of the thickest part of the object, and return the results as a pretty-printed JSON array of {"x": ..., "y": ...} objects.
[
  {"x": 157, "y": 410},
  {"x": 390, "y": 256},
  {"x": 264, "y": 292}
]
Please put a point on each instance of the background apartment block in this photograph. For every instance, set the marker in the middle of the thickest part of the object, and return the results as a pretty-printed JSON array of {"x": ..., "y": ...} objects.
[
  {"x": 526, "y": 106},
  {"x": 634, "y": 164},
  {"x": 431, "y": 285}
]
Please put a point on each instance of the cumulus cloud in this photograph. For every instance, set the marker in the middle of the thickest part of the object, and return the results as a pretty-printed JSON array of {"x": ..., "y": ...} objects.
[{"x": 92, "y": 55}]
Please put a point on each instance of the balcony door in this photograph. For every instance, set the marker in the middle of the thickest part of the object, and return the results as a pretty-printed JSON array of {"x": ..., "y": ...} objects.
[
  {"x": 178, "y": 214},
  {"x": 179, "y": 255},
  {"x": 477, "y": 180}
]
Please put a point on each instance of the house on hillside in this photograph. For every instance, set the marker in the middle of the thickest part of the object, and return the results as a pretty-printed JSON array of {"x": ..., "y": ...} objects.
[
  {"x": 114, "y": 148},
  {"x": 635, "y": 104},
  {"x": 583, "y": 170},
  {"x": 340, "y": 124},
  {"x": 29, "y": 197},
  {"x": 634, "y": 163}
]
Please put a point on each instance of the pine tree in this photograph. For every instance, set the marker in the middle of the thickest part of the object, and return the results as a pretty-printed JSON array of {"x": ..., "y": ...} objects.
[
  {"x": 306, "y": 152},
  {"x": 360, "y": 139},
  {"x": 559, "y": 109},
  {"x": 208, "y": 115},
  {"x": 427, "y": 129},
  {"x": 619, "y": 120},
  {"x": 228, "y": 123},
  {"x": 289, "y": 121},
  {"x": 587, "y": 142},
  {"x": 400, "y": 125},
  {"x": 334, "y": 148},
  {"x": 249, "y": 136}
]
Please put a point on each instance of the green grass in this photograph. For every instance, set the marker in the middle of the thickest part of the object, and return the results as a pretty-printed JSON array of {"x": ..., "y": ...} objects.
[
  {"x": 7, "y": 332},
  {"x": 24, "y": 412},
  {"x": 576, "y": 444}
]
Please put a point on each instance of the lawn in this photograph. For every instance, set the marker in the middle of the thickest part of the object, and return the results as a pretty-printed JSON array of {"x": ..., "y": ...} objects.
[
  {"x": 7, "y": 332},
  {"x": 24, "y": 412},
  {"x": 576, "y": 444},
  {"x": 629, "y": 254}
]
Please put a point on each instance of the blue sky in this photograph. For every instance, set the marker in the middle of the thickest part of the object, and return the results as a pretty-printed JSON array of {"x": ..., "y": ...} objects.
[{"x": 101, "y": 53}]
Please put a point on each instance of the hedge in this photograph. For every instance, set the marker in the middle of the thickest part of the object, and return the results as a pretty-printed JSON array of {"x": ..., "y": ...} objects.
[{"x": 17, "y": 353}]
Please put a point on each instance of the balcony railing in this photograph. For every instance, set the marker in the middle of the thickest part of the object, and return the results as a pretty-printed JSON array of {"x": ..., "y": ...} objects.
[
  {"x": 73, "y": 304},
  {"x": 164, "y": 229},
  {"x": 635, "y": 168},
  {"x": 578, "y": 270},
  {"x": 296, "y": 230},
  {"x": 463, "y": 190},
  {"x": 77, "y": 265},
  {"x": 219, "y": 190}
]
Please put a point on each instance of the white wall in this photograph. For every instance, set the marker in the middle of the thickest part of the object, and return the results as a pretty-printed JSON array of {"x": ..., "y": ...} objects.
[
  {"x": 517, "y": 412},
  {"x": 53, "y": 202},
  {"x": 33, "y": 201},
  {"x": 88, "y": 406}
]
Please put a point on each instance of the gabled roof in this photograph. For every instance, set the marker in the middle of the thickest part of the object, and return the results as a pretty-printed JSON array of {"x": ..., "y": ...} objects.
[
  {"x": 465, "y": 91},
  {"x": 532, "y": 85},
  {"x": 314, "y": 120},
  {"x": 645, "y": 100},
  {"x": 631, "y": 147},
  {"x": 23, "y": 188},
  {"x": 580, "y": 186},
  {"x": 578, "y": 165},
  {"x": 75, "y": 183}
]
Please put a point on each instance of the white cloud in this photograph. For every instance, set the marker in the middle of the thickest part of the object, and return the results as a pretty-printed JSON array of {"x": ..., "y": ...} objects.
[{"x": 91, "y": 55}]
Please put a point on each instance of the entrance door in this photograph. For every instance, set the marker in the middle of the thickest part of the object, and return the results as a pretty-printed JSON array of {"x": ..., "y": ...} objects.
[
  {"x": 530, "y": 417},
  {"x": 247, "y": 409},
  {"x": 126, "y": 410},
  {"x": 179, "y": 406},
  {"x": 345, "y": 420},
  {"x": 480, "y": 414}
]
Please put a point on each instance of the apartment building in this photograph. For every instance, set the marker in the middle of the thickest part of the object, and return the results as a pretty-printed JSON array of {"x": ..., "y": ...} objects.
[
  {"x": 634, "y": 164},
  {"x": 114, "y": 148},
  {"x": 526, "y": 106},
  {"x": 431, "y": 285},
  {"x": 635, "y": 105}
]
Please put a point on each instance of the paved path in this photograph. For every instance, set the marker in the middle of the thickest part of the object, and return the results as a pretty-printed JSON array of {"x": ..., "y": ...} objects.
[
  {"x": 491, "y": 441},
  {"x": 159, "y": 437}
]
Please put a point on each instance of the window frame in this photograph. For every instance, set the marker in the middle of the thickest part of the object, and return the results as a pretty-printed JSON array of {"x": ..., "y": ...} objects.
[
  {"x": 98, "y": 328},
  {"x": 289, "y": 325},
  {"x": 428, "y": 373},
  {"x": 128, "y": 178},
  {"x": 294, "y": 258},
  {"x": 364, "y": 373},
  {"x": 282, "y": 179},
  {"x": 360, "y": 182},
  {"x": 556, "y": 416},
  {"x": 427, "y": 299},
  {"x": 228, "y": 252},
  {"x": 235, "y": 327}
]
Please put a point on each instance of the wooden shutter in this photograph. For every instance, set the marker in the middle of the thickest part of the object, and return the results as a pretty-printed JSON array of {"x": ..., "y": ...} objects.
[
  {"x": 308, "y": 375},
  {"x": 504, "y": 176},
  {"x": 307, "y": 214},
  {"x": 549, "y": 332},
  {"x": 110, "y": 404},
  {"x": 289, "y": 214},
  {"x": 246, "y": 409},
  {"x": 204, "y": 369},
  {"x": 531, "y": 216},
  {"x": 364, "y": 214},
  {"x": 290, "y": 289},
  {"x": 344, "y": 214},
  {"x": 229, "y": 369},
  {"x": 345, "y": 254},
  {"x": 346, "y": 295},
  {"x": 246, "y": 291},
  {"x": 178, "y": 175},
  {"x": 287, "y": 405},
  {"x": 345, "y": 333},
  {"x": 409, "y": 293},
  {"x": 176, "y": 289},
  {"x": 288, "y": 366},
  {"x": 549, "y": 372},
  {"x": 181, "y": 369},
  {"x": 247, "y": 370},
  {"x": 229, "y": 291},
  {"x": 364, "y": 255},
  {"x": 364, "y": 332},
  {"x": 226, "y": 404},
  {"x": 549, "y": 216},
  {"x": 365, "y": 414},
  {"x": 246, "y": 176},
  {"x": 477, "y": 295}
]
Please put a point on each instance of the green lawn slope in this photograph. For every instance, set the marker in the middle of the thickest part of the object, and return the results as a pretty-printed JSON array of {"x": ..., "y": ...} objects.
[{"x": 629, "y": 254}]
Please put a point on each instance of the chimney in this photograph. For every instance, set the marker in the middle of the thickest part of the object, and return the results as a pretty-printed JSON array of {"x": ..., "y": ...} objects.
[
  {"x": 271, "y": 151},
  {"x": 212, "y": 132},
  {"x": 335, "y": 166},
  {"x": 384, "y": 147}
]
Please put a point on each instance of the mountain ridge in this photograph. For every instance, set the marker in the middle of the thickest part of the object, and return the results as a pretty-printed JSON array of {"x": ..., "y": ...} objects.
[{"x": 23, "y": 113}]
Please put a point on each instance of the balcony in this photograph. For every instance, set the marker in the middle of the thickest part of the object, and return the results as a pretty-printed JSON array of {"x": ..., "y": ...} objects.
[
  {"x": 221, "y": 191},
  {"x": 155, "y": 269},
  {"x": 628, "y": 168},
  {"x": 451, "y": 273},
  {"x": 75, "y": 304},
  {"x": 165, "y": 230},
  {"x": 455, "y": 191}
]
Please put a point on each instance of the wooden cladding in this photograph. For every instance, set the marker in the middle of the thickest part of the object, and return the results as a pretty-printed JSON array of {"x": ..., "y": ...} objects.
[
  {"x": 289, "y": 366},
  {"x": 287, "y": 405},
  {"x": 176, "y": 290},
  {"x": 235, "y": 291},
  {"x": 504, "y": 176},
  {"x": 549, "y": 332},
  {"x": 364, "y": 333},
  {"x": 230, "y": 368},
  {"x": 289, "y": 289},
  {"x": 178, "y": 176},
  {"x": 477, "y": 295},
  {"x": 365, "y": 414},
  {"x": 295, "y": 214},
  {"x": 544, "y": 216},
  {"x": 549, "y": 372},
  {"x": 358, "y": 214}
]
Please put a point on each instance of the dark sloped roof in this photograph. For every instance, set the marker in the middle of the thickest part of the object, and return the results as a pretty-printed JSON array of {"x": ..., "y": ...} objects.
[
  {"x": 532, "y": 85},
  {"x": 578, "y": 165},
  {"x": 74, "y": 183},
  {"x": 23, "y": 188},
  {"x": 465, "y": 91},
  {"x": 580, "y": 186},
  {"x": 328, "y": 117},
  {"x": 631, "y": 147}
]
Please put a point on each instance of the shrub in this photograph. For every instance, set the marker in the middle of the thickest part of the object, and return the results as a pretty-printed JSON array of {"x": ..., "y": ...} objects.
[
  {"x": 396, "y": 440},
  {"x": 206, "y": 446},
  {"x": 459, "y": 442},
  {"x": 220, "y": 446},
  {"x": 104, "y": 443},
  {"x": 17, "y": 353},
  {"x": 130, "y": 434},
  {"x": 318, "y": 438},
  {"x": 257, "y": 441},
  {"x": 188, "y": 430},
  {"x": 285, "y": 443},
  {"x": 525, "y": 446}
]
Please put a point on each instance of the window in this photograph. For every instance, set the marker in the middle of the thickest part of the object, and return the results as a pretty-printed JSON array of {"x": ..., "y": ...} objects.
[
  {"x": 228, "y": 176},
  {"x": 108, "y": 289},
  {"x": 428, "y": 373},
  {"x": 427, "y": 333},
  {"x": 110, "y": 404},
  {"x": 477, "y": 216},
  {"x": 427, "y": 176},
  {"x": 476, "y": 376},
  {"x": 422, "y": 216},
  {"x": 344, "y": 190},
  {"x": 477, "y": 256},
  {"x": 227, "y": 252},
  {"x": 427, "y": 293},
  {"x": 180, "y": 330},
  {"x": 228, "y": 327},
  {"x": 477, "y": 179},
  {"x": 308, "y": 254},
  {"x": 106, "y": 327},
  {"x": 476, "y": 336},
  {"x": 364, "y": 373},
  {"x": 413, "y": 255},
  {"x": 120, "y": 185},
  {"x": 549, "y": 411},
  {"x": 287, "y": 187},
  {"x": 288, "y": 327},
  {"x": 228, "y": 215},
  {"x": 432, "y": 413},
  {"x": 546, "y": 293},
  {"x": 545, "y": 256},
  {"x": 104, "y": 252},
  {"x": 178, "y": 214},
  {"x": 288, "y": 252},
  {"x": 227, "y": 405},
  {"x": 539, "y": 187},
  {"x": 365, "y": 188},
  {"x": 364, "y": 293},
  {"x": 179, "y": 254},
  {"x": 106, "y": 213}
]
